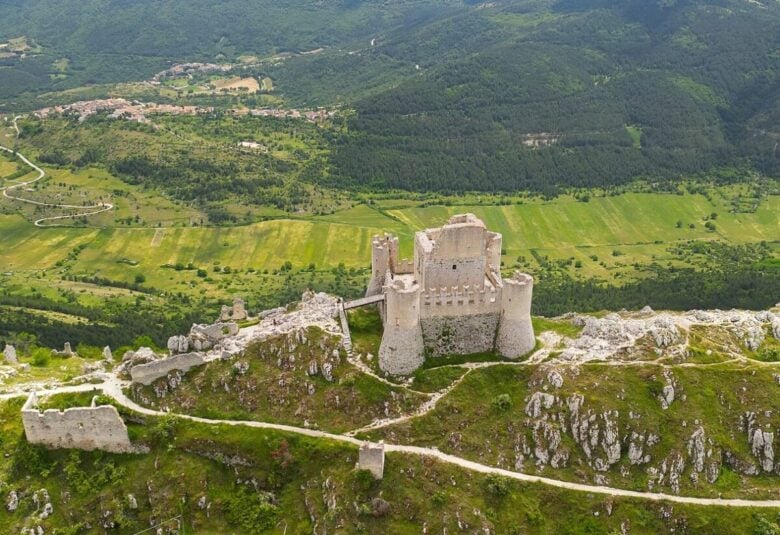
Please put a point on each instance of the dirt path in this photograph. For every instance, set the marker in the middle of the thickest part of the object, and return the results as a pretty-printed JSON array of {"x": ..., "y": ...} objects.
[{"x": 91, "y": 209}]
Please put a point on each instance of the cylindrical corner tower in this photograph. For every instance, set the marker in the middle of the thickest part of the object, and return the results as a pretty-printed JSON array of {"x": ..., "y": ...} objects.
[
  {"x": 515, "y": 332},
  {"x": 384, "y": 250},
  {"x": 401, "y": 351}
]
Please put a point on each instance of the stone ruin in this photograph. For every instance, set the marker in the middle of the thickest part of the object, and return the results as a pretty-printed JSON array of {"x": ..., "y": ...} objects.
[
  {"x": 202, "y": 337},
  {"x": 147, "y": 373},
  {"x": 66, "y": 351},
  {"x": 372, "y": 458},
  {"x": 9, "y": 353},
  {"x": 235, "y": 313},
  {"x": 85, "y": 428}
]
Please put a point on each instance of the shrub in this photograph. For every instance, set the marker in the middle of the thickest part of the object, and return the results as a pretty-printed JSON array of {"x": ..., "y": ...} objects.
[
  {"x": 502, "y": 402},
  {"x": 497, "y": 485},
  {"x": 41, "y": 357},
  {"x": 140, "y": 278}
]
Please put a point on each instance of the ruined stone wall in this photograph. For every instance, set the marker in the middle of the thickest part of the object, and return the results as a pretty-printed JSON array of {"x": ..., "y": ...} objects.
[
  {"x": 147, "y": 373},
  {"x": 372, "y": 458},
  {"x": 461, "y": 335},
  {"x": 84, "y": 428}
]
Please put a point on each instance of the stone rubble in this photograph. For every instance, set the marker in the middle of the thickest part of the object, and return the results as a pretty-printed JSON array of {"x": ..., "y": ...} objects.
[{"x": 618, "y": 334}]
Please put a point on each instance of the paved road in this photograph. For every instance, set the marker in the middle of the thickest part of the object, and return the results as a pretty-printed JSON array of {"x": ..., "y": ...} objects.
[
  {"x": 90, "y": 209},
  {"x": 113, "y": 387}
]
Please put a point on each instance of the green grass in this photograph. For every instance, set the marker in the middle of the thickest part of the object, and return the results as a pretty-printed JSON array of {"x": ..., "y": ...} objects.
[
  {"x": 436, "y": 379},
  {"x": 641, "y": 226},
  {"x": 562, "y": 327},
  {"x": 636, "y": 135},
  {"x": 271, "y": 391},
  {"x": 190, "y": 460},
  {"x": 716, "y": 397}
]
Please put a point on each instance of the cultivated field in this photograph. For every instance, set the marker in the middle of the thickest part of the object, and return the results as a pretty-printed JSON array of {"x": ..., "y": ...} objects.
[{"x": 618, "y": 230}]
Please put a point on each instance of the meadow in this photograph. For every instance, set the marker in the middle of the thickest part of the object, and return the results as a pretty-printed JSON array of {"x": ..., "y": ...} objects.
[{"x": 618, "y": 231}]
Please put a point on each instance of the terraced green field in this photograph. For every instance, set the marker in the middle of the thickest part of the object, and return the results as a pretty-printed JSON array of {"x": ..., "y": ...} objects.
[{"x": 618, "y": 230}]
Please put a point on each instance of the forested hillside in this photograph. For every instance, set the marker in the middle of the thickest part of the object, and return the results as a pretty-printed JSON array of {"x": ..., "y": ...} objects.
[
  {"x": 104, "y": 41},
  {"x": 585, "y": 93},
  {"x": 453, "y": 95}
]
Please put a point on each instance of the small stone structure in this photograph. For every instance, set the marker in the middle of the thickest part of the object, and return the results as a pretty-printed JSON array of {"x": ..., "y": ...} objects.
[
  {"x": 147, "y": 373},
  {"x": 84, "y": 428},
  {"x": 66, "y": 351},
  {"x": 9, "y": 353},
  {"x": 235, "y": 313},
  {"x": 203, "y": 337},
  {"x": 451, "y": 299},
  {"x": 372, "y": 458}
]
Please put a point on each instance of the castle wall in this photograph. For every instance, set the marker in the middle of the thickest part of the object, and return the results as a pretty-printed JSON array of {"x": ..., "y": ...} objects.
[
  {"x": 84, "y": 428},
  {"x": 459, "y": 335},
  {"x": 146, "y": 374}
]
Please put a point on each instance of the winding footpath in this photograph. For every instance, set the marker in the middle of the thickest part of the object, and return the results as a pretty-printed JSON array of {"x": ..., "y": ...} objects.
[
  {"x": 91, "y": 209},
  {"x": 113, "y": 387}
]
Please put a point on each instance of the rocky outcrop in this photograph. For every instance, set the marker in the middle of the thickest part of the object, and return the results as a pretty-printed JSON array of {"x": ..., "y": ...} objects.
[
  {"x": 107, "y": 354},
  {"x": 12, "y": 501},
  {"x": 555, "y": 379},
  {"x": 538, "y": 401},
  {"x": 775, "y": 326},
  {"x": 761, "y": 442},
  {"x": 664, "y": 332},
  {"x": 669, "y": 390}
]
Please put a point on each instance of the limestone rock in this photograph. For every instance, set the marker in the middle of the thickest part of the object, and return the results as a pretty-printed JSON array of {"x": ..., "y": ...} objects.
[
  {"x": 241, "y": 367},
  {"x": 754, "y": 337},
  {"x": 668, "y": 392},
  {"x": 761, "y": 445},
  {"x": 12, "y": 501},
  {"x": 10, "y": 354},
  {"x": 555, "y": 379},
  {"x": 696, "y": 451},
  {"x": 538, "y": 400},
  {"x": 107, "y": 355},
  {"x": 314, "y": 368},
  {"x": 327, "y": 371},
  {"x": 667, "y": 396},
  {"x": 776, "y": 327},
  {"x": 178, "y": 344},
  {"x": 671, "y": 470},
  {"x": 636, "y": 449},
  {"x": 664, "y": 332},
  {"x": 132, "y": 503}
]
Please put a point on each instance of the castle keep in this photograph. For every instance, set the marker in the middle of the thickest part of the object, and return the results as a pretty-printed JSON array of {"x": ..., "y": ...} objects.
[{"x": 450, "y": 299}]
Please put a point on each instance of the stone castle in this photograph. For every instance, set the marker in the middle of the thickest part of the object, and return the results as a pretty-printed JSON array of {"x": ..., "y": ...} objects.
[{"x": 450, "y": 299}]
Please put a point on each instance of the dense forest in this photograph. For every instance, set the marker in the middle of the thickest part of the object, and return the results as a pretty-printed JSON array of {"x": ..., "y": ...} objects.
[
  {"x": 451, "y": 95},
  {"x": 608, "y": 91}
]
